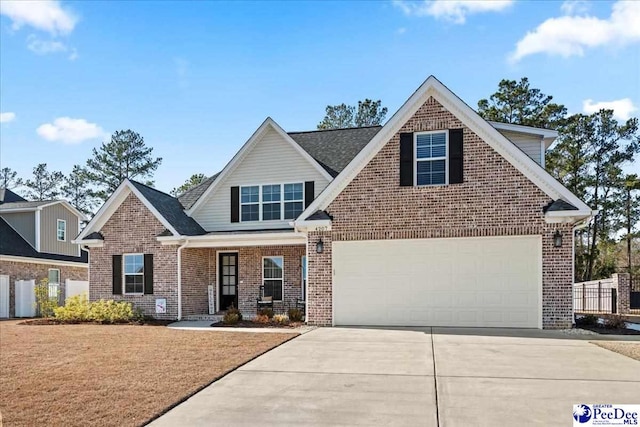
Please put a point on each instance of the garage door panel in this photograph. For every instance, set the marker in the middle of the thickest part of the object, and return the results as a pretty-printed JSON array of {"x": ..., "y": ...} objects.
[{"x": 493, "y": 282}]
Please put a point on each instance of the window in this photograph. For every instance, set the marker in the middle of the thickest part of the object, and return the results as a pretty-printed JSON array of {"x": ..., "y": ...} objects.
[
  {"x": 431, "y": 158},
  {"x": 293, "y": 200},
  {"x": 133, "y": 273},
  {"x": 304, "y": 277},
  {"x": 62, "y": 230},
  {"x": 272, "y": 277},
  {"x": 54, "y": 276},
  {"x": 250, "y": 203},
  {"x": 271, "y": 202}
]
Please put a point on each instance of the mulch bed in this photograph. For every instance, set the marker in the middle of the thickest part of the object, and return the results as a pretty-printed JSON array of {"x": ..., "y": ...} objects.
[
  {"x": 250, "y": 324},
  {"x": 608, "y": 331}
]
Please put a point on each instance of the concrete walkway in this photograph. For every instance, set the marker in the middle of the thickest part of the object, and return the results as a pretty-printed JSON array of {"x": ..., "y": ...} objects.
[{"x": 419, "y": 376}]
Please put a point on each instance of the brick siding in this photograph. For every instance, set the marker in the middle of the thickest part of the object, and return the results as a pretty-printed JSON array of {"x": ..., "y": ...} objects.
[
  {"x": 494, "y": 200},
  {"x": 37, "y": 272}
]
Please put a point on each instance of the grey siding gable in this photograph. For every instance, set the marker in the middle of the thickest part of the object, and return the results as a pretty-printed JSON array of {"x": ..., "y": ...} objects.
[
  {"x": 48, "y": 226},
  {"x": 24, "y": 223},
  {"x": 531, "y": 145},
  {"x": 272, "y": 160}
]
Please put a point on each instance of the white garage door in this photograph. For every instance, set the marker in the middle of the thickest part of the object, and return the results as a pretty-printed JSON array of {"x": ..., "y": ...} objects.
[{"x": 483, "y": 282}]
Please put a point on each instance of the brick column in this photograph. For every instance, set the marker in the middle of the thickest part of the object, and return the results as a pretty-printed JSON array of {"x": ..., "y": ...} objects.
[
  {"x": 320, "y": 280},
  {"x": 622, "y": 282}
]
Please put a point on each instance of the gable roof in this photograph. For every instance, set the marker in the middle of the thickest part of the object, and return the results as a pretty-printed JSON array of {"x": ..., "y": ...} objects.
[
  {"x": 166, "y": 208},
  {"x": 13, "y": 244},
  {"x": 27, "y": 206},
  {"x": 432, "y": 87},
  {"x": 7, "y": 195},
  {"x": 269, "y": 123},
  {"x": 335, "y": 148},
  {"x": 189, "y": 197}
]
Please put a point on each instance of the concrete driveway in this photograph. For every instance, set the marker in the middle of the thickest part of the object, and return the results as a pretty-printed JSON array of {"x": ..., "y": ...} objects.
[{"x": 419, "y": 376}]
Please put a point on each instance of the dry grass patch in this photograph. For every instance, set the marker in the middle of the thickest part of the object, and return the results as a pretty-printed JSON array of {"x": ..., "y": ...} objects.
[
  {"x": 630, "y": 349},
  {"x": 124, "y": 375}
]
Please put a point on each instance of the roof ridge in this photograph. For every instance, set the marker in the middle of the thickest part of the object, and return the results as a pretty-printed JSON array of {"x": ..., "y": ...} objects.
[
  {"x": 330, "y": 130},
  {"x": 151, "y": 188}
]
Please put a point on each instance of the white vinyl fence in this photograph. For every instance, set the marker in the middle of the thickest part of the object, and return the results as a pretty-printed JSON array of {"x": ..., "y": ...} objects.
[
  {"x": 75, "y": 287},
  {"x": 25, "y": 298}
]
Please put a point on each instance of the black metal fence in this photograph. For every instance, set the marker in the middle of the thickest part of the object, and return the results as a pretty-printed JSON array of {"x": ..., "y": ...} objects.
[{"x": 594, "y": 299}]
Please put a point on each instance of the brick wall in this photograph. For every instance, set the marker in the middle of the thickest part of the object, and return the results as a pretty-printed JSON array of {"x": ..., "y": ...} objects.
[
  {"x": 195, "y": 281},
  {"x": 37, "y": 272},
  {"x": 622, "y": 282},
  {"x": 133, "y": 229},
  {"x": 494, "y": 200},
  {"x": 319, "y": 299}
]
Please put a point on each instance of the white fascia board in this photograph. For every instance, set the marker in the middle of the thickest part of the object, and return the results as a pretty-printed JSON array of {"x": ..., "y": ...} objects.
[
  {"x": 67, "y": 205},
  {"x": 113, "y": 203},
  {"x": 432, "y": 87},
  {"x": 544, "y": 133},
  {"x": 92, "y": 243},
  {"x": 245, "y": 149},
  {"x": 226, "y": 240},
  {"x": 313, "y": 225}
]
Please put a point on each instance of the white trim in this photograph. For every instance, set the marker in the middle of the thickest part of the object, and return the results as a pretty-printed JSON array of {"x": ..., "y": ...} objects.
[
  {"x": 113, "y": 203},
  {"x": 246, "y": 148},
  {"x": 217, "y": 275},
  {"x": 37, "y": 236},
  {"x": 64, "y": 238},
  {"x": 281, "y": 280},
  {"x": 546, "y": 134},
  {"x": 432, "y": 87},
  {"x": 260, "y": 202},
  {"x": 305, "y": 276},
  {"x": 40, "y": 207},
  {"x": 92, "y": 243},
  {"x": 124, "y": 274},
  {"x": 312, "y": 225},
  {"x": 431, "y": 159},
  {"x": 179, "y": 254},
  {"x": 28, "y": 260},
  {"x": 245, "y": 239}
]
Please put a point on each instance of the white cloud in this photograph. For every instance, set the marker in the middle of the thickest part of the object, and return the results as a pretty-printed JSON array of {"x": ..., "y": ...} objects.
[
  {"x": 622, "y": 108},
  {"x": 46, "y": 47},
  {"x": 70, "y": 131},
  {"x": 7, "y": 117},
  {"x": 575, "y": 7},
  {"x": 455, "y": 11},
  {"x": 571, "y": 35},
  {"x": 45, "y": 15}
]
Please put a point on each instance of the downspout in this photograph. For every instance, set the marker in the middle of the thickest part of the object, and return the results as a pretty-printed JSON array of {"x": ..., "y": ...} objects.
[{"x": 186, "y": 242}]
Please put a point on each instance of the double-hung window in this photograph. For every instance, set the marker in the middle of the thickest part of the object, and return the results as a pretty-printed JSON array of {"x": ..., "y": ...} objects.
[
  {"x": 271, "y": 206},
  {"x": 271, "y": 202},
  {"x": 133, "y": 273},
  {"x": 293, "y": 200},
  {"x": 250, "y": 203},
  {"x": 61, "y": 230},
  {"x": 431, "y": 158},
  {"x": 273, "y": 276}
]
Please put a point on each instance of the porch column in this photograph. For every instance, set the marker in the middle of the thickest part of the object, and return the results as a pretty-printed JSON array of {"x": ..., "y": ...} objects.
[{"x": 320, "y": 280}]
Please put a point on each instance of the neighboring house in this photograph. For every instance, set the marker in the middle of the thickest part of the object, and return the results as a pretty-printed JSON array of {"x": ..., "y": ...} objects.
[
  {"x": 36, "y": 243},
  {"x": 438, "y": 218}
]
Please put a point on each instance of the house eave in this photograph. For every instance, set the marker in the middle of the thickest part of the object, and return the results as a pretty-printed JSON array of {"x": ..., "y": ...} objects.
[
  {"x": 91, "y": 243},
  {"x": 235, "y": 240},
  {"x": 568, "y": 217},
  {"x": 313, "y": 225}
]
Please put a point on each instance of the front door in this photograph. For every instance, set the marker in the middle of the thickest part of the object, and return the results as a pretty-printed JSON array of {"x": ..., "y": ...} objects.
[{"x": 228, "y": 280}]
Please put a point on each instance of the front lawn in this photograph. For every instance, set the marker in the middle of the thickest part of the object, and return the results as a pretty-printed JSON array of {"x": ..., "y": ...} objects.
[
  {"x": 630, "y": 349},
  {"x": 124, "y": 375}
]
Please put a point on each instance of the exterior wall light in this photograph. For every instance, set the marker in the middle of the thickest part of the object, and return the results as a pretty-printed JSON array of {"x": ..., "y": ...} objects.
[
  {"x": 557, "y": 239},
  {"x": 319, "y": 246}
]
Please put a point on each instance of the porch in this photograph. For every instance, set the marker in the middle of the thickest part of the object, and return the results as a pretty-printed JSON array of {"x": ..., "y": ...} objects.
[{"x": 215, "y": 278}]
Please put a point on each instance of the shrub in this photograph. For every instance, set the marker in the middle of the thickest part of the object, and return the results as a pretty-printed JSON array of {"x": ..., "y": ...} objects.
[
  {"x": 234, "y": 310},
  {"x": 266, "y": 312},
  {"x": 231, "y": 318},
  {"x": 262, "y": 318},
  {"x": 46, "y": 303},
  {"x": 615, "y": 322},
  {"x": 281, "y": 319},
  {"x": 295, "y": 315},
  {"x": 110, "y": 311},
  {"x": 75, "y": 309},
  {"x": 79, "y": 309},
  {"x": 587, "y": 320}
]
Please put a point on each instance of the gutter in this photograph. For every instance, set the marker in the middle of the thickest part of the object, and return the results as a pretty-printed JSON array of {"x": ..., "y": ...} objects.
[{"x": 186, "y": 242}]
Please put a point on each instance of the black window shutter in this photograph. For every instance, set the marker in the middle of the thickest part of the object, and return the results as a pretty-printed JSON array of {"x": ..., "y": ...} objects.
[
  {"x": 148, "y": 274},
  {"x": 406, "y": 159},
  {"x": 456, "y": 156},
  {"x": 116, "y": 271},
  {"x": 235, "y": 204},
  {"x": 309, "y": 190}
]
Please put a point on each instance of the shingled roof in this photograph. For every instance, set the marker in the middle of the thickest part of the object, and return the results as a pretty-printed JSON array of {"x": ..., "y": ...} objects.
[
  {"x": 170, "y": 209},
  {"x": 8, "y": 196},
  {"x": 335, "y": 148},
  {"x": 13, "y": 244},
  {"x": 189, "y": 197}
]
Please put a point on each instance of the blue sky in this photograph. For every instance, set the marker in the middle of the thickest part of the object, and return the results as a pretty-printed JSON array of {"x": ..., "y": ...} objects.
[{"x": 197, "y": 78}]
